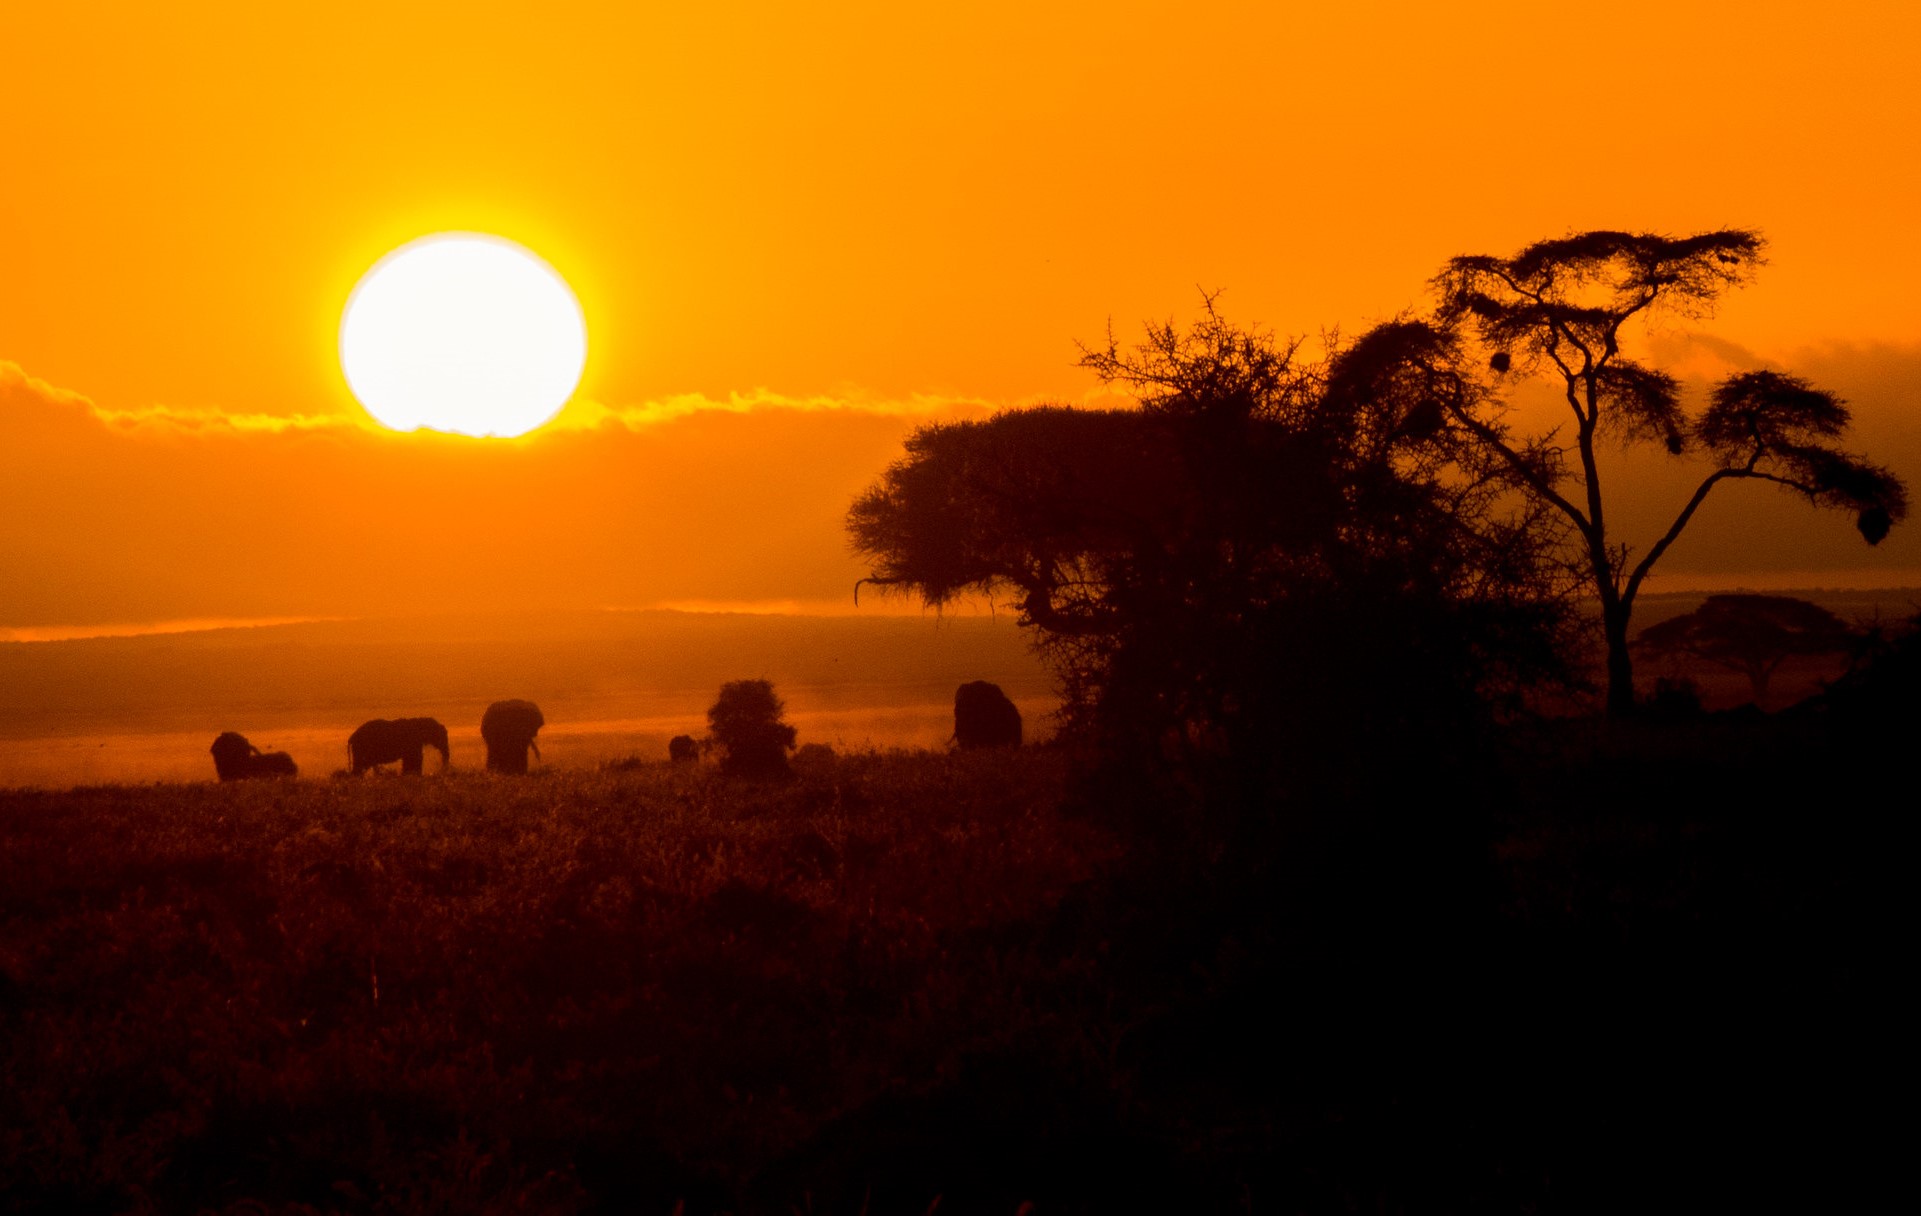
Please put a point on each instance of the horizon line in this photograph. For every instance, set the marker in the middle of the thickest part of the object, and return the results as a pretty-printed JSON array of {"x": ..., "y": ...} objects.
[{"x": 1806, "y": 581}]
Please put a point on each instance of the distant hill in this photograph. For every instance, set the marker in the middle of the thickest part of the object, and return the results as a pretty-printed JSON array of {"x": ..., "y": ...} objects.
[
  {"x": 1891, "y": 604},
  {"x": 1798, "y": 677}
]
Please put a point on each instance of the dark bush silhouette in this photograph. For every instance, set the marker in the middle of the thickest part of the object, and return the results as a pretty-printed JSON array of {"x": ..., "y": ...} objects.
[
  {"x": 509, "y": 727},
  {"x": 1880, "y": 697},
  {"x": 815, "y": 755},
  {"x": 682, "y": 749},
  {"x": 984, "y": 717},
  {"x": 1558, "y": 308},
  {"x": 746, "y": 725},
  {"x": 1751, "y": 634},
  {"x": 235, "y": 759},
  {"x": 383, "y": 741},
  {"x": 1672, "y": 700}
]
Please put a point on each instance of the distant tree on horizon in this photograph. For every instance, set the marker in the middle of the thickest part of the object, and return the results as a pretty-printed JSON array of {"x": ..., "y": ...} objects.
[
  {"x": 1557, "y": 308},
  {"x": 1751, "y": 634}
]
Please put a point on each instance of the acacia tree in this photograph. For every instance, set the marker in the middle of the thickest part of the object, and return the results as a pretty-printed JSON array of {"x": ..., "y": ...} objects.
[
  {"x": 1751, "y": 634},
  {"x": 1265, "y": 553},
  {"x": 1558, "y": 308}
]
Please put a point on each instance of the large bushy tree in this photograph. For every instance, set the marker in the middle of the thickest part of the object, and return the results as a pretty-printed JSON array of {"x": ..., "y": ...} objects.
[
  {"x": 1561, "y": 308},
  {"x": 1267, "y": 557}
]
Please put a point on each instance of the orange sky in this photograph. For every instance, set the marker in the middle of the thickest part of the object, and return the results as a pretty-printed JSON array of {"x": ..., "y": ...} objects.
[{"x": 897, "y": 212}]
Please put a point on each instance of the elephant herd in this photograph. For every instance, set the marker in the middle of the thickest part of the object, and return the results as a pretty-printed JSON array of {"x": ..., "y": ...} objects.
[
  {"x": 508, "y": 727},
  {"x": 983, "y": 717}
]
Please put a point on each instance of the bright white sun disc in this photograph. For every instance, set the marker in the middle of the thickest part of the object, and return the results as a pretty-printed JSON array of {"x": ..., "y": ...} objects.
[{"x": 462, "y": 332}]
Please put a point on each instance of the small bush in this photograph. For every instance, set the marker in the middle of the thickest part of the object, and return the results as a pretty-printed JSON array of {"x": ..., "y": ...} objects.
[
  {"x": 746, "y": 724},
  {"x": 1673, "y": 698}
]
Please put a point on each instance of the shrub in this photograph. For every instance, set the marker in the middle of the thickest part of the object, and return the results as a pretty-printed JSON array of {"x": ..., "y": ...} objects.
[{"x": 746, "y": 724}]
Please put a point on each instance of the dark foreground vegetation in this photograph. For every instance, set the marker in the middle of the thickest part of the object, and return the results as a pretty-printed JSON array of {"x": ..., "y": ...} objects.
[{"x": 1663, "y": 977}]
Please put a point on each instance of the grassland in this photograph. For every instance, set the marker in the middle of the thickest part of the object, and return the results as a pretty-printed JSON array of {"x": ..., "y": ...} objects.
[{"x": 903, "y": 978}]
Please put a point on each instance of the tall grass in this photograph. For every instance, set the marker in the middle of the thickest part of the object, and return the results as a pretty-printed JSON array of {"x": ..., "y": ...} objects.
[
  {"x": 652, "y": 983},
  {"x": 902, "y": 978}
]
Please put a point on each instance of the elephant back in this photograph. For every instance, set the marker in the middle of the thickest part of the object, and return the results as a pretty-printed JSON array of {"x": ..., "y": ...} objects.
[
  {"x": 368, "y": 733},
  {"x": 230, "y": 753},
  {"x": 235, "y": 759},
  {"x": 383, "y": 741},
  {"x": 507, "y": 719},
  {"x": 985, "y": 717}
]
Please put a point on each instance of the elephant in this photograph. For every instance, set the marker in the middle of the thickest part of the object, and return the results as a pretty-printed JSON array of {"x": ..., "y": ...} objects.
[
  {"x": 235, "y": 759},
  {"x": 509, "y": 728},
  {"x": 984, "y": 717},
  {"x": 404, "y": 739},
  {"x": 682, "y": 749}
]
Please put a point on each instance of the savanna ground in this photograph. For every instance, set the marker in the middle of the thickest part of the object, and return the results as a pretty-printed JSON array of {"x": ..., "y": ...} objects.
[{"x": 1660, "y": 973}]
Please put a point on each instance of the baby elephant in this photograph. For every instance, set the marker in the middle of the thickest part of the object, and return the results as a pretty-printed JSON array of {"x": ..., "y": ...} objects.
[
  {"x": 682, "y": 749},
  {"x": 235, "y": 759}
]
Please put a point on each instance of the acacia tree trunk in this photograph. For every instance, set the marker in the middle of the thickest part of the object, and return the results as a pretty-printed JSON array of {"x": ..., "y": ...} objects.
[
  {"x": 1614, "y": 626},
  {"x": 1616, "y": 601}
]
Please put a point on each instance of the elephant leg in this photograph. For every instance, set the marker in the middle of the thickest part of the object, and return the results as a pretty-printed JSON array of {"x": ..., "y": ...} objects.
[
  {"x": 506, "y": 756},
  {"x": 410, "y": 761}
]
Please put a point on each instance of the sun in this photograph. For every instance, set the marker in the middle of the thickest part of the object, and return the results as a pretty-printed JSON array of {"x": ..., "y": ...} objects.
[{"x": 462, "y": 332}]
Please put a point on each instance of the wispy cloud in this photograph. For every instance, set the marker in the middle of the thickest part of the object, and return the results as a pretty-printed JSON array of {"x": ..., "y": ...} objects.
[
  {"x": 35, "y": 394},
  {"x": 592, "y": 414},
  {"x": 579, "y": 415},
  {"x": 15, "y": 383},
  {"x": 73, "y": 633},
  {"x": 203, "y": 420},
  {"x": 871, "y": 604}
]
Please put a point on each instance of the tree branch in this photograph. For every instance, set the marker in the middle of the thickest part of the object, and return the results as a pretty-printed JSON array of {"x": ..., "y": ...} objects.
[
  {"x": 877, "y": 581},
  {"x": 1038, "y": 607},
  {"x": 1745, "y": 473},
  {"x": 1492, "y": 439}
]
